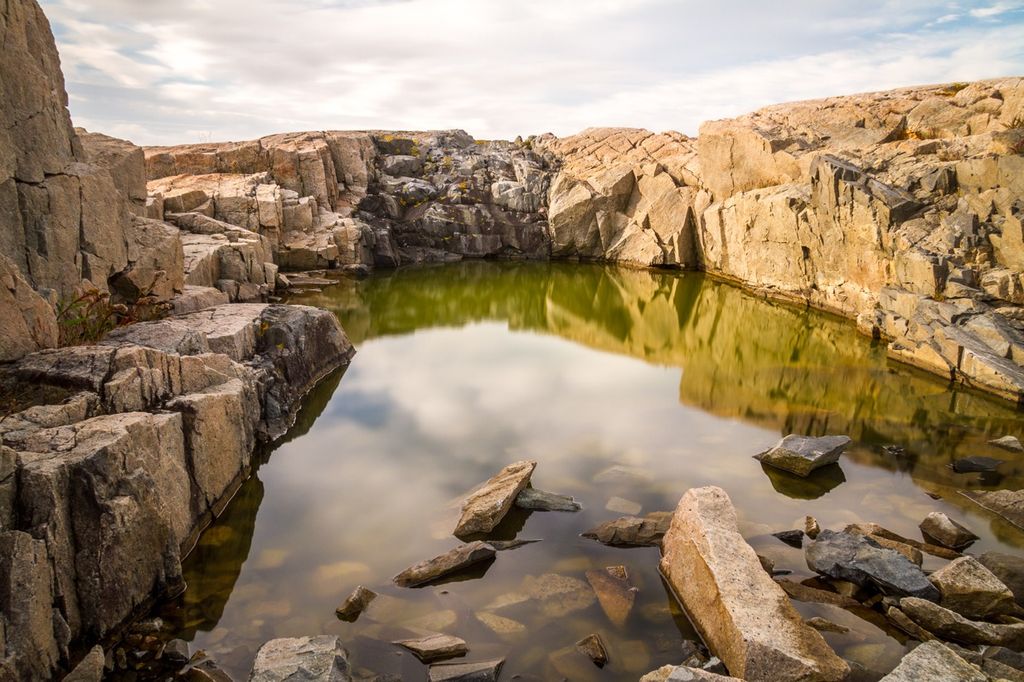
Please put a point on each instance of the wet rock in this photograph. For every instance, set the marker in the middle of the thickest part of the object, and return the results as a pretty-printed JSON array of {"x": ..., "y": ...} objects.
[
  {"x": 614, "y": 592},
  {"x": 1007, "y": 443},
  {"x": 485, "y": 508},
  {"x": 499, "y": 625},
  {"x": 935, "y": 662},
  {"x": 903, "y": 623},
  {"x": 952, "y": 626},
  {"x": 593, "y": 648},
  {"x": 806, "y": 593},
  {"x": 811, "y": 527},
  {"x": 632, "y": 531},
  {"x": 435, "y": 647},
  {"x": 1009, "y": 569},
  {"x": 450, "y": 562},
  {"x": 1006, "y": 503},
  {"x": 296, "y": 659},
  {"x": 559, "y": 595},
  {"x": 976, "y": 464},
  {"x": 203, "y": 668},
  {"x": 90, "y": 668},
  {"x": 484, "y": 671},
  {"x": 911, "y": 553},
  {"x": 972, "y": 590},
  {"x": 744, "y": 616},
  {"x": 502, "y": 545},
  {"x": 863, "y": 561},
  {"x": 803, "y": 454},
  {"x": 355, "y": 604},
  {"x": 793, "y": 538},
  {"x": 540, "y": 500}
]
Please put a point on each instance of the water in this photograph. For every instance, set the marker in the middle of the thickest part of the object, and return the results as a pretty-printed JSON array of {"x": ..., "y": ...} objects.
[{"x": 464, "y": 368}]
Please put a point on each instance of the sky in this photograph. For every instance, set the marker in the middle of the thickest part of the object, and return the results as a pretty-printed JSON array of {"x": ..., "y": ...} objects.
[{"x": 175, "y": 71}]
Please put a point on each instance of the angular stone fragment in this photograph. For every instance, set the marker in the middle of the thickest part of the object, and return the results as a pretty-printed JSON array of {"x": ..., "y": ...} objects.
[
  {"x": 1009, "y": 568},
  {"x": 1006, "y": 503},
  {"x": 301, "y": 659},
  {"x": 746, "y": 619},
  {"x": 452, "y": 561},
  {"x": 972, "y": 590},
  {"x": 485, "y": 508},
  {"x": 540, "y": 500},
  {"x": 950, "y": 625},
  {"x": 811, "y": 527},
  {"x": 499, "y": 625},
  {"x": 355, "y": 604},
  {"x": 90, "y": 668},
  {"x": 502, "y": 545},
  {"x": 793, "y": 538},
  {"x": 1007, "y": 443},
  {"x": 683, "y": 673},
  {"x": 861, "y": 560},
  {"x": 824, "y": 625},
  {"x": 934, "y": 662},
  {"x": 592, "y": 647},
  {"x": 435, "y": 647},
  {"x": 911, "y": 553},
  {"x": 632, "y": 531},
  {"x": 614, "y": 592},
  {"x": 484, "y": 671},
  {"x": 803, "y": 454}
]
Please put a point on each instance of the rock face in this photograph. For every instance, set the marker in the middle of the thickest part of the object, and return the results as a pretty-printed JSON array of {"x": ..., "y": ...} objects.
[
  {"x": 861, "y": 560},
  {"x": 485, "y": 508},
  {"x": 301, "y": 659},
  {"x": 803, "y": 454},
  {"x": 743, "y": 615}
]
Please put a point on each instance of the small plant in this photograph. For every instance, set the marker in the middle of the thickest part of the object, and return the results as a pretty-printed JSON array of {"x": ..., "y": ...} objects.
[
  {"x": 1017, "y": 123},
  {"x": 91, "y": 315}
]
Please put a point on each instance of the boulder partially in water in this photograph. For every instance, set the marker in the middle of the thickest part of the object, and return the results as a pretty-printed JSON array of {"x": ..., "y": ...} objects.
[
  {"x": 803, "y": 454},
  {"x": 632, "y": 531},
  {"x": 743, "y": 615},
  {"x": 485, "y": 508},
  {"x": 972, "y": 590}
]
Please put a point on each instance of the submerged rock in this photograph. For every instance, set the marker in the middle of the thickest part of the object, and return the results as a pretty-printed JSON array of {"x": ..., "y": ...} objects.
[
  {"x": 952, "y": 626},
  {"x": 935, "y": 662},
  {"x": 621, "y": 505},
  {"x": 803, "y": 454},
  {"x": 484, "y": 671},
  {"x": 355, "y": 604},
  {"x": 502, "y": 545},
  {"x": 861, "y": 560},
  {"x": 593, "y": 648},
  {"x": 1006, "y": 503},
  {"x": 435, "y": 647},
  {"x": 743, "y": 615},
  {"x": 632, "y": 531},
  {"x": 558, "y": 595},
  {"x": 485, "y": 508},
  {"x": 972, "y": 590},
  {"x": 1007, "y": 443},
  {"x": 614, "y": 592},
  {"x": 499, "y": 625},
  {"x": 540, "y": 500},
  {"x": 793, "y": 538},
  {"x": 452, "y": 561},
  {"x": 301, "y": 659},
  {"x": 976, "y": 464}
]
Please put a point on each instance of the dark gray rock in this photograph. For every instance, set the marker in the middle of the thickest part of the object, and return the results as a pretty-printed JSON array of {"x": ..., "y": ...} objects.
[
  {"x": 793, "y": 538},
  {"x": 803, "y": 454},
  {"x": 540, "y": 500},
  {"x": 450, "y": 562},
  {"x": 976, "y": 464},
  {"x": 861, "y": 560}
]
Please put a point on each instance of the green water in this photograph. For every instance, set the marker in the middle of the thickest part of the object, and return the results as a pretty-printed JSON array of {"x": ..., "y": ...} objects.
[{"x": 464, "y": 368}]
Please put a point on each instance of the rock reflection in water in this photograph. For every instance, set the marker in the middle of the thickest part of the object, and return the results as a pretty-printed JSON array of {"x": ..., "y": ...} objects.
[{"x": 464, "y": 368}]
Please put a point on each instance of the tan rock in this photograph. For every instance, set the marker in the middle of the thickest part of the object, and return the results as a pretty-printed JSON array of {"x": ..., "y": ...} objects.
[
  {"x": 486, "y": 507},
  {"x": 972, "y": 590},
  {"x": 614, "y": 592}
]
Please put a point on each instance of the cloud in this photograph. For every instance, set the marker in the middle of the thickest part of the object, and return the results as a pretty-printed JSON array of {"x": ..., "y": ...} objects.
[{"x": 167, "y": 72}]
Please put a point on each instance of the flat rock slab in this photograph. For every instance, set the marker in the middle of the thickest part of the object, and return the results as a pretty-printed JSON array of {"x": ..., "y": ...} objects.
[
  {"x": 1006, "y": 503},
  {"x": 876, "y": 532},
  {"x": 1007, "y": 443},
  {"x": 803, "y": 454},
  {"x": 540, "y": 500},
  {"x": 743, "y": 615},
  {"x": 951, "y": 626},
  {"x": 859, "y": 559},
  {"x": 450, "y": 562},
  {"x": 942, "y": 530},
  {"x": 632, "y": 531},
  {"x": 485, "y": 508},
  {"x": 435, "y": 647},
  {"x": 484, "y": 671},
  {"x": 934, "y": 662},
  {"x": 301, "y": 659}
]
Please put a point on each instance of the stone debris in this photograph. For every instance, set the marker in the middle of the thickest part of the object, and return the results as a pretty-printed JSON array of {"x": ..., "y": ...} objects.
[
  {"x": 614, "y": 592},
  {"x": 1009, "y": 569},
  {"x": 811, "y": 527},
  {"x": 952, "y": 626},
  {"x": 861, "y": 560},
  {"x": 452, "y": 561},
  {"x": 355, "y": 604},
  {"x": 503, "y": 545},
  {"x": 486, "y": 507},
  {"x": 803, "y": 454},
  {"x": 435, "y": 647},
  {"x": 632, "y": 531},
  {"x": 540, "y": 500},
  {"x": 295, "y": 659}
]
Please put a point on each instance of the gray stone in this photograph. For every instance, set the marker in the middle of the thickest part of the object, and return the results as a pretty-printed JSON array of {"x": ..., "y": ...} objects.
[
  {"x": 90, "y": 668},
  {"x": 861, "y": 560},
  {"x": 934, "y": 662},
  {"x": 976, "y": 464},
  {"x": 803, "y": 454},
  {"x": 486, "y": 507},
  {"x": 484, "y": 671},
  {"x": 445, "y": 564},
  {"x": 299, "y": 659},
  {"x": 632, "y": 531},
  {"x": 540, "y": 500},
  {"x": 972, "y": 590},
  {"x": 952, "y": 626},
  {"x": 1008, "y": 443},
  {"x": 176, "y": 651},
  {"x": 435, "y": 647}
]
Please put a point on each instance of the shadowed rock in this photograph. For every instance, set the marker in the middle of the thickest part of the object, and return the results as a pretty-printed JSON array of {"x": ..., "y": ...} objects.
[
  {"x": 861, "y": 560},
  {"x": 445, "y": 564},
  {"x": 355, "y": 604},
  {"x": 976, "y": 464},
  {"x": 592, "y": 647},
  {"x": 944, "y": 531},
  {"x": 1009, "y": 568}
]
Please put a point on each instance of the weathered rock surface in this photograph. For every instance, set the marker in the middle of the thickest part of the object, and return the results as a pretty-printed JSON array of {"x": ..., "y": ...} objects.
[
  {"x": 972, "y": 590},
  {"x": 937, "y": 527},
  {"x": 435, "y": 647},
  {"x": 861, "y": 560},
  {"x": 682, "y": 673},
  {"x": 301, "y": 659},
  {"x": 877, "y": 532},
  {"x": 632, "y": 531},
  {"x": 803, "y": 454},
  {"x": 952, "y": 626},
  {"x": 934, "y": 661},
  {"x": 452, "y": 561},
  {"x": 593, "y": 648},
  {"x": 1006, "y": 503},
  {"x": 485, "y": 508},
  {"x": 484, "y": 671},
  {"x": 558, "y": 595},
  {"x": 90, "y": 668},
  {"x": 540, "y": 500},
  {"x": 743, "y": 615}
]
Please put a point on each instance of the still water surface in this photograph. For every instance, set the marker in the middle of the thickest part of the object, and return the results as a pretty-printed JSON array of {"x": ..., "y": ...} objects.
[{"x": 674, "y": 378}]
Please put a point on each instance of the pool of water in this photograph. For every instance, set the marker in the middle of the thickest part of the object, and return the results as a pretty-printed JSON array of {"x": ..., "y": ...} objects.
[{"x": 620, "y": 383}]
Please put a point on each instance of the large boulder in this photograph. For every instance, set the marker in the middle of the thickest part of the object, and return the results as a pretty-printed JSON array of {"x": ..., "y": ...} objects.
[{"x": 744, "y": 616}]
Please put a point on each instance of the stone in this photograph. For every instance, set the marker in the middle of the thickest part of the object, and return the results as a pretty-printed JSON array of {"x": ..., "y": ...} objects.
[
  {"x": 909, "y": 551},
  {"x": 861, "y": 560},
  {"x": 950, "y": 625},
  {"x": 558, "y": 595},
  {"x": 176, "y": 651},
  {"x": 972, "y": 590},
  {"x": 293, "y": 659},
  {"x": 593, "y": 648},
  {"x": 793, "y": 538},
  {"x": 28, "y": 321},
  {"x": 503, "y": 545},
  {"x": 1008, "y": 504},
  {"x": 823, "y": 625},
  {"x": 484, "y": 671},
  {"x": 499, "y": 625},
  {"x": 435, "y": 647},
  {"x": 934, "y": 661},
  {"x": 941, "y": 529},
  {"x": 803, "y": 454},
  {"x": 355, "y": 604},
  {"x": 614, "y": 592},
  {"x": 485, "y": 508},
  {"x": 450, "y": 562},
  {"x": 811, "y": 527},
  {"x": 623, "y": 506},
  {"x": 1007, "y": 443},
  {"x": 683, "y": 673},
  {"x": 1009, "y": 569},
  {"x": 90, "y": 668},
  {"x": 968, "y": 465},
  {"x": 632, "y": 531},
  {"x": 540, "y": 500},
  {"x": 876, "y": 532},
  {"x": 743, "y": 615}
]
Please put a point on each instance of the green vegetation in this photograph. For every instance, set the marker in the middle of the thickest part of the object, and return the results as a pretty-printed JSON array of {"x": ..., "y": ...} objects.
[{"x": 92, "y": 315}]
